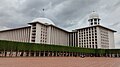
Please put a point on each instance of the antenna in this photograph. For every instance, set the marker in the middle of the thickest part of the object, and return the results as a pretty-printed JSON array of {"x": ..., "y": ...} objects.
[
  {"x": 43, "y": 12},
  {"x": 43, "y": 9}
]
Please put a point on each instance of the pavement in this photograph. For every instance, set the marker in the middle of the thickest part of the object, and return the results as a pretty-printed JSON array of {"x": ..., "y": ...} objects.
[{"x": 59, "y": 62}]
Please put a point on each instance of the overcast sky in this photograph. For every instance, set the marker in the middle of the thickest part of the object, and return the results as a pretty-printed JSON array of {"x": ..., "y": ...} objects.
[{"x": 67, "y": 14}]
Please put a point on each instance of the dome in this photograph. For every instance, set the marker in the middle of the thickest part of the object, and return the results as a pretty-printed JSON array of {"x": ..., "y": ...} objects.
[
  {"x": 93, "y": 15},
  {"x": 43, "y": 20}
]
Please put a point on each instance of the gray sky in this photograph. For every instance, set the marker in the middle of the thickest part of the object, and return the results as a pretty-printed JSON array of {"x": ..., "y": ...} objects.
[{"x": 67, "y": 14}]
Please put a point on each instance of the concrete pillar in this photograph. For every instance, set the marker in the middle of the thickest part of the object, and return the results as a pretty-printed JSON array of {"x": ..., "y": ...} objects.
[
  {"x": 34, "y": 53},
  {"x": 109, "y": 55},
  {"x": 16, "y": 53},
  {"x": 3, "y": 53},
  {"x": 52, "y": 53},
  {"x": 112, "y": 55},
  {"x": 59, "y": 54},
  {"x": 72, "y": 54},
  {"x": 24, "y": 53},
  {"x": 56, "y": 53},
  {"x": 29, "y": 54},
  {"x": 66, "y": 54},
  {"x": 39, "y": 53},
  {"x": 69, "y": 54},
  {"x": 63, "y": 53},
  {"x": 11, "y": 53},
  {"x": 44, "y": 53},
  {"x": 48, "y": 53}
]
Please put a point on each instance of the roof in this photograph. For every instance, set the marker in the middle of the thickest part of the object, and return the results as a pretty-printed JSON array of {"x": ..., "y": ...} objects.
[
  {"x": 48, "y": 25},
  {"x": 93, "y": 15},
  {"x": 43, "y": 20},
  {"x": 97, "y": 26},
  {"x": 15, "y": 28}
]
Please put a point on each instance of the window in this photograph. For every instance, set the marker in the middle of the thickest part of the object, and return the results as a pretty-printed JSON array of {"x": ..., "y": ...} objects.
[
  {"x": 90, "y": 46},
  {"x": 96, "y": 46},
  {"x": 91, "y": 23},
  {"x": 93, "y": 46},
  {"x": 95, "y": 22},
  {"x": 95, "y": 19}
]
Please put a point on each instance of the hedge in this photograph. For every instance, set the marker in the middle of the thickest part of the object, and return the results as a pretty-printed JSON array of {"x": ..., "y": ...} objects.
[{"x": 21, "y": 46}]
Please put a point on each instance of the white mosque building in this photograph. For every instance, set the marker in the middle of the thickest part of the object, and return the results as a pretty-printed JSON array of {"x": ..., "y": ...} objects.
[{"x": 43, "y": 30}]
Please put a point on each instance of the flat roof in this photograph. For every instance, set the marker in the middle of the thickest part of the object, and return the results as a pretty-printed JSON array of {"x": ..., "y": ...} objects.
[
  {"x": 97, "y": 26},
  {"x": 15, "y": 28}
]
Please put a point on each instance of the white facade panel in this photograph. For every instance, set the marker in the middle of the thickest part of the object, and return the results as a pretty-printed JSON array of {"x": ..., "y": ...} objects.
[{"x": 111, "y": 40}]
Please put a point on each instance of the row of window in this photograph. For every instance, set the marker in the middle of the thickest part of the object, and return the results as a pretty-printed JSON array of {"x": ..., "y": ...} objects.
[
  {"x": 89, "y": 43},
  {"x": 43, "y": 34},
  {"x": 89, "y": 46},
  {"x": 86, "y": 29},
  {"x": 33, "y": 32}
]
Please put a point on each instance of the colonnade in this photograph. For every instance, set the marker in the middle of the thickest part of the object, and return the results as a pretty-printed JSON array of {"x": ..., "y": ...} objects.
[{"x": 52, "y": 54}]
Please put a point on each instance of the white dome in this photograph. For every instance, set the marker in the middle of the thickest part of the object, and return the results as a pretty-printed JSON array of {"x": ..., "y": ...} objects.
[
  {"x": 93, "y": 15},
  {"x": 43, "y": 20}
]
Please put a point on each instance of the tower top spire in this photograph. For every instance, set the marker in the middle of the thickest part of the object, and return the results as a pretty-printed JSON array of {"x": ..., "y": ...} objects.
[
  {"x": 94, "y": 18},
  {"x": 94, "y": 15}
]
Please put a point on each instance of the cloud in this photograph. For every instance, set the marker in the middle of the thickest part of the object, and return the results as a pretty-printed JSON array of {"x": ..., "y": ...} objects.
[{"x": 3, "y": 28}]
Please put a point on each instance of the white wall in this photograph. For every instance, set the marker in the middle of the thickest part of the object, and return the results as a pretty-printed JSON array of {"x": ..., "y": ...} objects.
[
  {"x": 98, "y": 37},
  {"x": 111, "y": 40},
  {"x": 20, "y": 35}
]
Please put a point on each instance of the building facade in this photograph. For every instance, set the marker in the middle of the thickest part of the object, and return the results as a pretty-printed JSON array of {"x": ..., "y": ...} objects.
[{"x": 43, "y": 30}]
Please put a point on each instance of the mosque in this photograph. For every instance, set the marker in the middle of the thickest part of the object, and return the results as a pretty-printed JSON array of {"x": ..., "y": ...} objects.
[{"x": 43, "y": 30}]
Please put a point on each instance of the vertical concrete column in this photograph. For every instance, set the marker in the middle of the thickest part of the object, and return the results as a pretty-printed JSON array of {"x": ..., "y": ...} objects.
[
  {"x": 16, "y": 53},
  {"x": 109, "y": 55},
  {"x": 44, "y": 53},
  {"x": 11, "y": 53},
  {"x": 53, "y": 53},
  {"x": 29, "y": 53},
  {"x": 66, "y": 54},
  {"x": 63, "y": 53},
  {"x": 59, "y": 54},
  {"x": 39, "y": 53},
  {"x": 24, "y": 53},
  {"x": 112, "y": 55},
  {"x": 117, "y": 55},
  {"x": 34, "y": 53},
  {"x": 72, "y": 54},
  {"x": 56, "y": 53},
  {"x": 69, "y": 54},
  {"x": 3, "y": 54}
]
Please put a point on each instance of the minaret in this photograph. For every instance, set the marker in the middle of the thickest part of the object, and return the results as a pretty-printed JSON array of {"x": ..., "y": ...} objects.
[{"x": 94, "y": 19}]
